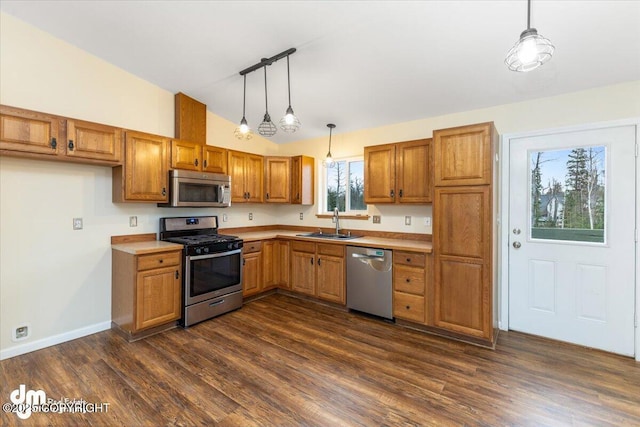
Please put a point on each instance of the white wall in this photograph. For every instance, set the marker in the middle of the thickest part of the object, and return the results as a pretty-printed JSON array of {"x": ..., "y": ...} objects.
[{"x": 58, "y": 280}]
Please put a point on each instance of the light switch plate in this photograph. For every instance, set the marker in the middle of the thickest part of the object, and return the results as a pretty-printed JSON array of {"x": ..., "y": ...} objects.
[
  {"x": 133, "y": 221},
  {"x": 407, "y": 220},
  {"x": 301, "y": 216},
  {"x": 250, "y": 217},
  {"x": 427, "y": 221},
  {"x": 376, "y": 219},
  {"x": 77, "y": 223},
  {"x": 225, "y": 218}
]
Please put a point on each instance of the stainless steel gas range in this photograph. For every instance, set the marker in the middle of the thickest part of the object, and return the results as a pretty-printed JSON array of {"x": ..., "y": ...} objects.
[{"x": 212, "y": 267}]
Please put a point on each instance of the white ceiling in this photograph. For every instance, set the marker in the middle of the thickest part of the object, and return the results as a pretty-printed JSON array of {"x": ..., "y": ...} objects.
[{"x": 359, "y": 64}]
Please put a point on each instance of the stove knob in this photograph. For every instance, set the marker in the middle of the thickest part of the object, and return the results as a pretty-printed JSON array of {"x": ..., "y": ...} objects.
[
  {"x": 230, "y": 246},
  {"x": 198, "y": 251},
  {"x": 236, "y": 245},
  {"x": 206, "y": 250}
]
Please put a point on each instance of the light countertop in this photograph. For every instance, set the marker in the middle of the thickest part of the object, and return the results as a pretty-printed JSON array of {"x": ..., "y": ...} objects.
[{"x": 148, "y": 247}]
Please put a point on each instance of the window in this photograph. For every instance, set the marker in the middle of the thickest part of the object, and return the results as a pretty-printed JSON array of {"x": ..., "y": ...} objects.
[{"x": 344, "y": 186}]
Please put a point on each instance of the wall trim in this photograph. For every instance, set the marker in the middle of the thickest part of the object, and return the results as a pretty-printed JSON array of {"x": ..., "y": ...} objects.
[
  {"x": 53, "y": 340},
  {"x": 503, "y": 316}
]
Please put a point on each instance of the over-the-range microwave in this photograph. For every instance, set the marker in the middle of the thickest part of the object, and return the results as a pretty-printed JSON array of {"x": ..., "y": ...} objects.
[{"x": 198, "y": 190}]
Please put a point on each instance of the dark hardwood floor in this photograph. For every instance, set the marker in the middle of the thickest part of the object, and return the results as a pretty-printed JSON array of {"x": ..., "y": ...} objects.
[{"x": 286, "y": 361}]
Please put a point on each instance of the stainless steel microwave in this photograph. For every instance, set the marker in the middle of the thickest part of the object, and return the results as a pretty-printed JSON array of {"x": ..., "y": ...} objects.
[{"x": 198, "y": 190}]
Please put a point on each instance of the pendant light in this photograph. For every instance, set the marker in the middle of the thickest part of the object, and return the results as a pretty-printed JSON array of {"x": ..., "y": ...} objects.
[
  {"x": 328, "y": 161},
  {"x": 243, "y": 131},
  {"x": 266, "y": 128},
  {"x": 289, "y": 123},
  {"x": 531, "y": 51}
]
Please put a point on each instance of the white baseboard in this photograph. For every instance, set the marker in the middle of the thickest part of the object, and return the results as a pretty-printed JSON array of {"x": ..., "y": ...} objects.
[{"x": 56, "y": 339}]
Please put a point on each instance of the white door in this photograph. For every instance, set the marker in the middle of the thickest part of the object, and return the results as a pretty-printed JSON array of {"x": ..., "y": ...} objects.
[{"x": 571, "y": 237}]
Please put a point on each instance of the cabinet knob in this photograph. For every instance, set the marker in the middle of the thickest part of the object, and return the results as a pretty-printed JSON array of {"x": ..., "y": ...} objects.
[
  {"x": 318, "y": 261},
  {"x": 53, "y": 143},
  {"x": 311, "y": 260},
  {"x": 244, "y": 261},
  {"x": 71, "y": 145},
  {"x": 408, "y": 280},
  {"x": 161, "y": 261},
  {"x": 164, "y": 191},
  {"x": 177, "y": 274},
  {"x": 267, "y": 196},
  {"x": 391, "y": 193},
  {"x": 248, "y": 195},
  {"x": 400, "y": 193},
  {"x": 408, "y": 307},
  {"x": 196, "y": 162},
  {"x": 205, "y": 163},
  {"x": 408, "y": 259}
]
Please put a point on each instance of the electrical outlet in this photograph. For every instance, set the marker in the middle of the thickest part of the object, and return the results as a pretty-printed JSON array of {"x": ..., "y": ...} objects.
[
  {"x": 376, "y": 219},
  {"x": 133, "y": 221},
  {"x": 301, "y": 216},
  {"x": 407, "y": 220},
  {"x": 225, "y": 218},
  {"x": 21, "y": 332},
  {"x": 427, "y": 221},
  {"x": 250, "y": 217},
  {"x": 77, "y": 223}
]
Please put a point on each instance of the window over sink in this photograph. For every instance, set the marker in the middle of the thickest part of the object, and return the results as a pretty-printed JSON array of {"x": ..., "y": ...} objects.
[{"x": 343, "y": 186}]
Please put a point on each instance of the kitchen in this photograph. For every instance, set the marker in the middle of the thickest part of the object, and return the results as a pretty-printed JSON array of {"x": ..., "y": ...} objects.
[{"x": 68, "y": 295}]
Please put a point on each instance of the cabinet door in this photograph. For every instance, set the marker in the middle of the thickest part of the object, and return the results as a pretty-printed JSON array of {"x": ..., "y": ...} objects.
[
  {"x": 251, "y": 273},
  {"x": 283, "y": 253},
  {"x": 186, "y": 155},
  {"x": 277, "y": 179},
  {"x": 303, "y": 272},
  {"x": 236, "y": 171},
  {"x": 330, "y": 278},
  {"x": 191, "y": 119},
  {"x": 413, "y": 171},
  {"x": 214, "y": 159},
  {"x": 29, "y": 131},
  {"x": 146, "y": 168},
  {"x": 158, "y": 297},
  {"x": 270, "y": 265},
  {"x": 302, "y": 179},
  {"x": 379, "y": 174},
  {"x": 93, "y": 141},
  {"x": 463, "y": 279},
  {"x": 254, "y": 178},
  {"x": 462, "y": 156}
]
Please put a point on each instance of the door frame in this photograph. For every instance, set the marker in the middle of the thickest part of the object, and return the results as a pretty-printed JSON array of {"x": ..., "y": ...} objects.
[{"x": 503, "y": 215}]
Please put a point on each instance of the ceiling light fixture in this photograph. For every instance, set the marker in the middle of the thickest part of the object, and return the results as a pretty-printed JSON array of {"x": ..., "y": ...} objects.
[
  {"x": 243, "y": 131},
  {"x": 531, "y": 51},
  {"x": 289, "y": 123},
  {"x": 267, "y": 128},
  {"x": 328, "y": 161}
]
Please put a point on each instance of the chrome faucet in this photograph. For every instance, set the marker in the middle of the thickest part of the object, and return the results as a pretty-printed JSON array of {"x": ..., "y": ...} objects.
[{"x": 335, "y": 215}]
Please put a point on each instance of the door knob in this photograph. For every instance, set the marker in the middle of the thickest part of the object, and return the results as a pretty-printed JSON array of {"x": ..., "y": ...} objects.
[
  {"x": 516, "y": 231},
  {"x": 516, "y": 245}
]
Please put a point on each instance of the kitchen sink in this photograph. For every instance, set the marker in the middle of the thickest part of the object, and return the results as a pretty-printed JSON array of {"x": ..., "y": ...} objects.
[{"x": 329, "y": 236}]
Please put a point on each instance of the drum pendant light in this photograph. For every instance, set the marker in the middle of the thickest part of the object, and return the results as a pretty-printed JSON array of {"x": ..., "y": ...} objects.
[
  {"x": 243, "y": 131},
  {"x": 328, "y": 161},
  {"x": 266, "y": 128},
  {"x": 289, "y": 123},
  {"x": 531, "y": 51}
]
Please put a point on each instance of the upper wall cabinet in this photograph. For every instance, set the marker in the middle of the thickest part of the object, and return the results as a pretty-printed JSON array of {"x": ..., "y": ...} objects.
[
  {"x": 191, "y": 119},
  {"x": 277, "y": 179},
  {"x": 33, "y": 134},
  {"x": 247, "y": 177},
  {"x": 398, "y": 173},
  {"x": 196, "y": 157},
  {"x": 302, "y": 179},
  {"x": 463, "y": 155},
  {"x": 144, "y": 175}
]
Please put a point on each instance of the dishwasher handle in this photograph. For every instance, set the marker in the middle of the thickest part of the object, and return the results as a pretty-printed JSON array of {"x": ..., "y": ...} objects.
[{"x": 365, "y": 256}]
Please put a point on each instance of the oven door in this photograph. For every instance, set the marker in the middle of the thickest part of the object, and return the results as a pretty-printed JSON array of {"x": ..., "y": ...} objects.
[{"x": 209, "y": 276}]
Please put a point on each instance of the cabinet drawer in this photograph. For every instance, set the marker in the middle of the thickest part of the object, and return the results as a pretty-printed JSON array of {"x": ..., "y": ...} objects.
[
  {"x": 408, "y": 279},
  {"x": 409, "y": 307},
  {"x": 303, "y": 246},
  {"x": 250, "y": 247},
  {"x": 333, "y": 250},
  {"x": 415, "y": 259},
  {"x": 165, "y": 259}
]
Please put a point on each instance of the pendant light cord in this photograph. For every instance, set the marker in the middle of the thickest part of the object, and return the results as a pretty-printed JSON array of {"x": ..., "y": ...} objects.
[
  {"x": 266, "y": 103},
  {"x": 528, "y": 14},
  {"x": 288, "y": 81},
  {"x": 244, "y": 95},
  {"x": 330, "y": 132}
]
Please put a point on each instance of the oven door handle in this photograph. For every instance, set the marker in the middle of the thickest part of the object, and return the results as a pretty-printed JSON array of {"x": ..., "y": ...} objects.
[{"x": 216, "y": 255}]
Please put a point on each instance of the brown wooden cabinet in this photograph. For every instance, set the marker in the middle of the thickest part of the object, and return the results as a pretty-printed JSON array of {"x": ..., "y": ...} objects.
[
  {"x": 197, "y": 157},
  {"x": 247, "y": 177},
  {"x": 411, "y": 274},
  {"x": 463, "y": 231},
  {"x": 144, "y": 176},
  {"x": 28, "y": 133},
  {"x": 302, "y": 180},
  {"x": 191, "y": 119},
  {"x": 252, "y": 278},
  {"x": 318, "y": 270},
  {"x": 463, "y": 155},
  {"x": 277, "y": 179},
  {"x": 146, "y": 290},
  {"x": 398, "y": 173},
  {"x": 275, "y": 261}
]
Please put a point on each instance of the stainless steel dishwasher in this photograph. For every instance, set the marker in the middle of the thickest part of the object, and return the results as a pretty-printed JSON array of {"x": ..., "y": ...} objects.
[{"x": 369, "y": 281}]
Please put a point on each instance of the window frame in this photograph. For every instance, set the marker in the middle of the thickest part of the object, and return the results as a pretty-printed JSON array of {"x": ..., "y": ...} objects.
[{"x": 323, "y": 206}]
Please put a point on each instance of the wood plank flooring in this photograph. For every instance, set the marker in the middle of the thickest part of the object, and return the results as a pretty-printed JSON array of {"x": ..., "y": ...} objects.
[{"x": 290, "y": 362}]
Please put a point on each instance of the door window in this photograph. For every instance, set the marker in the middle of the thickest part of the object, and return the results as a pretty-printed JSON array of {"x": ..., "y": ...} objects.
[{"x": 568, "y": 194}]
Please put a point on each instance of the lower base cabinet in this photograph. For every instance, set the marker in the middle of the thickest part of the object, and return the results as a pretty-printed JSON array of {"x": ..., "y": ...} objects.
[
  {"x": 410, "y": 273},
  {"x": 146, "y": 289},
  {"x": 318, "y": 270},
  {"x": 252, "y": 269}
]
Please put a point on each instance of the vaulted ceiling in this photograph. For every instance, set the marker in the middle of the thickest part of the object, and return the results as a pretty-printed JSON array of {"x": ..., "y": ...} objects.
[{"x": 359, "y": 64}]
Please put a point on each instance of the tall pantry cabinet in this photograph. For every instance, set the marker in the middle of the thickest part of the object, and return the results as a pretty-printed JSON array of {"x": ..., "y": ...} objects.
[{"x": 464, "y": 230}]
